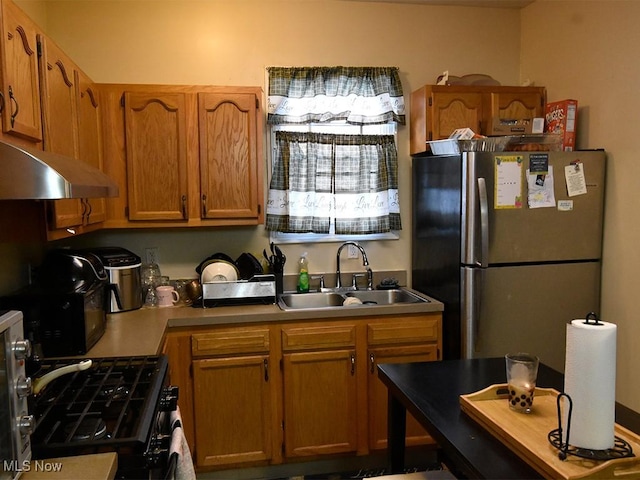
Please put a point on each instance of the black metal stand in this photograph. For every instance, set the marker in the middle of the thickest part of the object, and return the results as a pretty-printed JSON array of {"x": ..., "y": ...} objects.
[{"x": 620, "y": 449}]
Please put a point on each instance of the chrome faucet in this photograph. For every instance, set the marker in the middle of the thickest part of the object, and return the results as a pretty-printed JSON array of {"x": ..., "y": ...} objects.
[{"x": 365, "y": 263}]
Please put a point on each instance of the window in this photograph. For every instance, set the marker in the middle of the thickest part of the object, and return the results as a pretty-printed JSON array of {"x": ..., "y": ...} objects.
[{"x": 334, "y": 157}]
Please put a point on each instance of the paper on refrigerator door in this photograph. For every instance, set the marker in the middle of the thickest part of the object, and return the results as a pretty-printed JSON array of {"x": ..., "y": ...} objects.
[
  {"x": 508, "y": 181},
  {"x": 540, "y": 189},
  {"x": 576, "y": 183}
]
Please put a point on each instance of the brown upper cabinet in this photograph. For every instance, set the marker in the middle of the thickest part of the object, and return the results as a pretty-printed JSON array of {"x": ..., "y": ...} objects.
[
  {"x": 156, "y": 156},
  {"x": 20, "y": 101},
  {"x": 90, "y": 140},
  {"x": 229, "y": 155},
  {"x": 192, "y": 155},
  {"x": 71, "y": 125},
  {"x": 437, "y": 110}
]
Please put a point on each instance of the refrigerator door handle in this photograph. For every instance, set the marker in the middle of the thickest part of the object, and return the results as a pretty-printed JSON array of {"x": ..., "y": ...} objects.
[
  {"x": 472, "y": 282},
  {"x": 484, "y": 222}
]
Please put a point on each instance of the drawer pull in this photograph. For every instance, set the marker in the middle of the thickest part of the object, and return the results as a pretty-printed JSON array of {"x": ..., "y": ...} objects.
[{"x": 266, "y": 370}]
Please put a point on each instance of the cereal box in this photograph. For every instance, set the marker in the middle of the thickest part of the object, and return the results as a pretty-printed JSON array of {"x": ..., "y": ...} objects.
[{"x": 560, "y": 118}]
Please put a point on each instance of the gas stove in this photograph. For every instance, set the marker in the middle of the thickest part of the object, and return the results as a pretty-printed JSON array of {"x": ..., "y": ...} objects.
[{"x": 116, "y": 405}]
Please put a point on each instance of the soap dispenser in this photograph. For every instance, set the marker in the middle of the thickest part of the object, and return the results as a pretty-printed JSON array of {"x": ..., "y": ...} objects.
[{"x": 303, "y": 274}]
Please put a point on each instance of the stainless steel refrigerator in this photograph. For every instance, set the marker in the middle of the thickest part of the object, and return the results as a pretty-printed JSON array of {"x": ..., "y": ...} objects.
[{"x": 511, "y": 243}]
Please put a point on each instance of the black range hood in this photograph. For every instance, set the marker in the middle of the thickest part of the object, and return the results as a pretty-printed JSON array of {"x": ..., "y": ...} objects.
[{"x": 32, "y": 174}]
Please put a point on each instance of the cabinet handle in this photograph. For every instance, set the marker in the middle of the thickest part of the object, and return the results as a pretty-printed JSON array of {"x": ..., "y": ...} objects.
[
  {"x": 372, "y": 361},
  {"x": 85, "y": 210},
  {"x": 204, "y": 206},
  {"x": 266, "y": 370},
  {"x": 184, "y": 207},
  {"x": 353, "y": 364},
  {"x": 13, "y": 99}
]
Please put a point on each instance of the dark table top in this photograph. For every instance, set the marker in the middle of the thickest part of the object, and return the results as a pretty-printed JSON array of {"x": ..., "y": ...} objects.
[{"x": 431, "y": 391}]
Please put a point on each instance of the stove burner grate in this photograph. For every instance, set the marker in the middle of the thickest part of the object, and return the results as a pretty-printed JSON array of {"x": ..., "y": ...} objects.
[
  {"x": 111, "y": 405},
  {"x": 85, "y": 430}
]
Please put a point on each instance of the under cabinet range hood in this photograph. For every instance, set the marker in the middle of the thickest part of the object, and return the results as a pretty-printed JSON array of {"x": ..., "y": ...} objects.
[{"x": 32, "y": 174}]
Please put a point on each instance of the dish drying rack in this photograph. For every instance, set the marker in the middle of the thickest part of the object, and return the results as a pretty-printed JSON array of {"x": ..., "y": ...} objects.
[{"x": 257, "y": 289}]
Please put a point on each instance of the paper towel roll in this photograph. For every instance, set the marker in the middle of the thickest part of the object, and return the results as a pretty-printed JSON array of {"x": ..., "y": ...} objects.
[{"x": 590, "y": 381}]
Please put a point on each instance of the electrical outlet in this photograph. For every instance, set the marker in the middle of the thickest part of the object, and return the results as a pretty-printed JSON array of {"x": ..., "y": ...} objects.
[
  {"x": 352, "y": 252},
  {"x": 152, "y": 255}
]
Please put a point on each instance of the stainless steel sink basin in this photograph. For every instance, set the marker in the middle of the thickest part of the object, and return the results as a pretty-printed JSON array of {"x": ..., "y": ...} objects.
[
  {"x": 310, "y": 300},
  {"x": 386, "y": 297},
  {"x": 323, "y": 300}
]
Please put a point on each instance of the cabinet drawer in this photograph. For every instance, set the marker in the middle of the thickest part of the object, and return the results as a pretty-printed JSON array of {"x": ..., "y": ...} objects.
[
  {"x": 404, "y": 331},
  {"x": 230, "y": 341},
  {"x": 308, "y": 338}
]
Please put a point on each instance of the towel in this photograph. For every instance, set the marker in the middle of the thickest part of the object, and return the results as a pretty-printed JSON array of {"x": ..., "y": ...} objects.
[{"x": 179, "y": 449}]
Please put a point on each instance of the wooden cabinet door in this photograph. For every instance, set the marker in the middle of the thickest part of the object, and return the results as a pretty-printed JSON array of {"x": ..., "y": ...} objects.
[
  {"x": 377, "y": 393},
  {"x": 232, "y": 407},
  {"x": 156, "y": 156},
  {"x": 320, "y": 406},
  {"x": 517, "y": 105},
  {"x": 20, "y": 83},
  {"x": 59, "y": 111},
  {"x": 454, "y": 110},
  {"x": 90, "y": 141},
  {"x": 229, "y": 179}
]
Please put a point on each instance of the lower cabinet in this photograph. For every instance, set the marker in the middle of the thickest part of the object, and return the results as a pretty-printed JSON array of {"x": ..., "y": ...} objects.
[
  {"x": 261, "y": 394},
  {"x": 232, "y": 396},
  {"x": 320, "y": 390},
  {"x": 397, "y": 340}
]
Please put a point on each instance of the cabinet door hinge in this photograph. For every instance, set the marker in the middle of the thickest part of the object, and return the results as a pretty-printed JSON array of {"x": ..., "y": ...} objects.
[
  {"x": 126, "y": 212},
  {"x": 257, "y": 104},
  {"x": 259, "y": 209},
  {"x": 282, "y": 369},
  {"x": 122, "y": 100},
  {"x": 430, "y": 102},
  {"x": 39, "y": 48}
]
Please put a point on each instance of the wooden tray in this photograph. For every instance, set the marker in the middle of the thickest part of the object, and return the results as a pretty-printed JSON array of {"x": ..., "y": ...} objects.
[{"x": 526, "y": 435}]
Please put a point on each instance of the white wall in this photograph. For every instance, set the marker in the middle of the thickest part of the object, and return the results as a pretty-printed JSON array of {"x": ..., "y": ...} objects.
[{"x": 587, "y": 50}]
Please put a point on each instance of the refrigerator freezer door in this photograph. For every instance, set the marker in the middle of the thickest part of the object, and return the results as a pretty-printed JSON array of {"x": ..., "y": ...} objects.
[
  {"x": 527, "y": 308},
  {"x": 526, "y": 235}
]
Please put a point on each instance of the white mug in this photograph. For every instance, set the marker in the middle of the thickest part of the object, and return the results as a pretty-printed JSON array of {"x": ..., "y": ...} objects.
[{"x": 167, "y": 296}]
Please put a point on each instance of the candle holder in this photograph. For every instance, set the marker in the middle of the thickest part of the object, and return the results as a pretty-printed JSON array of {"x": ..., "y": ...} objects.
[{"x": 620, "y": 449}]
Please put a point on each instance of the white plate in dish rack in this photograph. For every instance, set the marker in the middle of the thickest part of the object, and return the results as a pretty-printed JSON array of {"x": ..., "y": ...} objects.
[{"x": 219, "y": 271}]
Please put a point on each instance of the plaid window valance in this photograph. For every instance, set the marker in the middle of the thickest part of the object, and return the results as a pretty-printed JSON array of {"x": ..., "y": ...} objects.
[{"x": 357, "y": 95}]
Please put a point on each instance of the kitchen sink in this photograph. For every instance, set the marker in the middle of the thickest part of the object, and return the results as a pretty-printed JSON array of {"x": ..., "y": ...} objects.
[
  {"x": 310, "y": 300},
  {"x": 322, "y": 300}
]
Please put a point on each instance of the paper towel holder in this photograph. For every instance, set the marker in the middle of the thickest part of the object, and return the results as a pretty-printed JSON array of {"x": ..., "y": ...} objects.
[
  {"x": 594, "y": 317},
  {"x": 621, "y": 448}
]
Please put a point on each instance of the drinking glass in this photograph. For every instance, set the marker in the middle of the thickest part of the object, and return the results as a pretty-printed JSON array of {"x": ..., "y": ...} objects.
[{"x": 522, "y": 372}]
